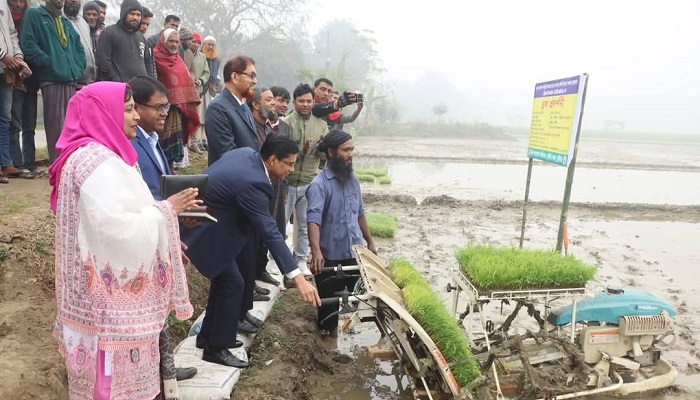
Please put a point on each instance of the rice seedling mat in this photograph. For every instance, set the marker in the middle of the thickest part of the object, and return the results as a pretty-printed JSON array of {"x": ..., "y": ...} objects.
[{"x": 500, "y": 272}]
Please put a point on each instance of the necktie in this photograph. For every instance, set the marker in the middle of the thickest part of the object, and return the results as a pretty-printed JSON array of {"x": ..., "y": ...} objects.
[{"x": 248, "y": 114}]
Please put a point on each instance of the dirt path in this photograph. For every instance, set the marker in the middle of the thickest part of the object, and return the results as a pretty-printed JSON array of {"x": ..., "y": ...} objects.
[{"x": 30, "y": 366}]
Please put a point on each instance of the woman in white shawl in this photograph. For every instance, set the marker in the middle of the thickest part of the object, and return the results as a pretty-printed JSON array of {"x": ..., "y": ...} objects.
[{"x": 119, "y": 270}]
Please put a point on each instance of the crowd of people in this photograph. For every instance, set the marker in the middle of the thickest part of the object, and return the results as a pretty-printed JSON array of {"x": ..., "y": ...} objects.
[{"x": 122, "y": 110}]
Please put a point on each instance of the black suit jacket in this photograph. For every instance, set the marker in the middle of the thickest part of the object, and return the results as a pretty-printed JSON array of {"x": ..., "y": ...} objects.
[
  {"x": 227, "y": 127},
  {"x": 238, "y": 194}
]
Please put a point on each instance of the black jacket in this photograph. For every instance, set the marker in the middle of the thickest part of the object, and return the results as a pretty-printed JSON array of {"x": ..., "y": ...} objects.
[{"x": 121, "y": 51}]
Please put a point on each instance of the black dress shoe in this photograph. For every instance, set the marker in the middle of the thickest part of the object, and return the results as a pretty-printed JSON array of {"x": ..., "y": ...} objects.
[
  {"x": 246, "y": 327},
  {"x": 261, "y": 290},
  {"x": 202, "y": 343},
  {"x": 223, "y": 357},
  {"x": 256, "y": 322},
  {"x": 182, "y": 374},
  {"x": 267, "y": 278},
  {"x": 260, "y": 297}
]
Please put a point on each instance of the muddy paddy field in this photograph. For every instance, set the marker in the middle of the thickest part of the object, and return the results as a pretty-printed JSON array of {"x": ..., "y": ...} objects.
[{"x": 635, "y": 214}]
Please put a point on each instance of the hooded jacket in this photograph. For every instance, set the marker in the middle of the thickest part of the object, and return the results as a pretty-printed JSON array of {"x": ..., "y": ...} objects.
[{"x": 121, "y": 49}]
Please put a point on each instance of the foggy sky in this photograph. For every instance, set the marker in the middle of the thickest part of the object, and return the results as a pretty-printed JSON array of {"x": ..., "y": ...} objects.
[{"x": 642, "y": 56}]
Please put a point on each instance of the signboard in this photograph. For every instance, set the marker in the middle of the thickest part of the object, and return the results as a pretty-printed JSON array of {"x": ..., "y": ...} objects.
[{"x": 556, "y": 112}]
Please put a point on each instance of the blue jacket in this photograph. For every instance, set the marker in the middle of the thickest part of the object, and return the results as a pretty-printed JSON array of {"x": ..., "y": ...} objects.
[
  {"x": 238, "y": 195},
  {"x": 227, "y": 127},
  {"x": 148, "y": 163}
]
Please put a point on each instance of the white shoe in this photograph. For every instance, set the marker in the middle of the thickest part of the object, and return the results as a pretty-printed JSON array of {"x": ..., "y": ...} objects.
[{"x": 304, "y": 268}]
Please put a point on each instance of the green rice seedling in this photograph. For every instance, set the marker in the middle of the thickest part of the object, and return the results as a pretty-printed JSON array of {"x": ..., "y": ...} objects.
[
  {"x": 425, "y": 306},
  {"x": 403, "y": 273},
  {"x": 365, "y": 178},
  {"x": 500, "y": 268},
  {"x": 377, "y": 172},
  {"x": 384, "y": 180},
  {"x": 382, "y": 225}
]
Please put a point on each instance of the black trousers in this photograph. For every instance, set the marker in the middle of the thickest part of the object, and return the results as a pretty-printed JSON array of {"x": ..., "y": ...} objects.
[
  {"x": 230, "y": 297},
  {"x": 328, "y": 284}
]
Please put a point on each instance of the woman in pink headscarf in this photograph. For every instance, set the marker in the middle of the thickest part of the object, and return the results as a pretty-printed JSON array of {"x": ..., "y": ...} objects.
[{"x": 119, "y": 269}]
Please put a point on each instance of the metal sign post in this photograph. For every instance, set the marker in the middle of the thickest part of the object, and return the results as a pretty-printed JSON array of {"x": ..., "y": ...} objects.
[{"x": 557, "y": 113}]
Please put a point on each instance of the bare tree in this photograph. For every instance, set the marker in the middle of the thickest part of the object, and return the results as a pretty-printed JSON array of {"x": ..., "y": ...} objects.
[{"x": 232, "y": 22}]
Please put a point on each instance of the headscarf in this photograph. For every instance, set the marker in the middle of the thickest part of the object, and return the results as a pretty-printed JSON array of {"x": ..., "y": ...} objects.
[
  {"x": 173, "y": 73},
  {"x": 94, "y": 114},
  {"x": 333, "y": 140}
]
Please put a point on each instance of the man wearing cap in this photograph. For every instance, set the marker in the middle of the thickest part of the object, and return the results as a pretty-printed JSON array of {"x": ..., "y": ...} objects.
[
  {"x": 336, "y": 222},
  {"x": 121, "y": 50},
  {"x": 200, "y": 75},
  {"x": 91, "y": 15}
]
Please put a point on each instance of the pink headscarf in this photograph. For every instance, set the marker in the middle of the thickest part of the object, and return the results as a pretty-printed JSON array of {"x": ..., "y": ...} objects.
[{"x": 94, "y": 114}]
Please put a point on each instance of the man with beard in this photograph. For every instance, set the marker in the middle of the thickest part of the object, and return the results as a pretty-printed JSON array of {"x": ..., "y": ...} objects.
[
  {"x": 337, "y": 221},
  {"x": 52, "y": 47},
  {"x": 121, "y": 50},
  {"x": 91, "y": 15},
  {"x": 263, "y": 107},
  {"x": 71, "y": 10},
  {"x": 228, "y": 120},
  {"x": 200, "y": 74}
]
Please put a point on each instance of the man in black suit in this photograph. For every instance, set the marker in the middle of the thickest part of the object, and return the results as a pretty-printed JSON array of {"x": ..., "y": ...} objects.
[
  {"x": 239, "y": 194},
  {"x": 228, "y": 119}
]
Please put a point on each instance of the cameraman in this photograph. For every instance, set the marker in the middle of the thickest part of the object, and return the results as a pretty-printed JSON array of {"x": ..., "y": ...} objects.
[{"x": 327, "y": 104}]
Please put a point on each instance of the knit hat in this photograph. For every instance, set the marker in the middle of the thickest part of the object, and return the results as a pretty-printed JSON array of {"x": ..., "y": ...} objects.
[
  {"x": 196, "y": 37},
  {"x": 185, "y": 33},
  {"x": 91, "y": 5},
  {"x": 129, "y": 6}
]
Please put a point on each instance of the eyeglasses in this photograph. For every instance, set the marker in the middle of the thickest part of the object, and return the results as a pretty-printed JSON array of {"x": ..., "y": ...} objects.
[
  {"x": 289, "y": 163},
  {"x": 163, "y": 108},
  {"x": 251, "y": 75}
]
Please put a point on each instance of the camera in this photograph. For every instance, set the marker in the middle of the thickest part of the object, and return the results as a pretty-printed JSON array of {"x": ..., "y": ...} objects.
[{"x": 360, "y": 98}]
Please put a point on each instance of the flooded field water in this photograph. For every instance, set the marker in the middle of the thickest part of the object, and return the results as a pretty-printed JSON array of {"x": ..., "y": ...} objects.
[{"x": 633, "y": 245}]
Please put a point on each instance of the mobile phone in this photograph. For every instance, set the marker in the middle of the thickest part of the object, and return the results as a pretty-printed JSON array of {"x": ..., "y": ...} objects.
[{"x": 360, "y": 98}]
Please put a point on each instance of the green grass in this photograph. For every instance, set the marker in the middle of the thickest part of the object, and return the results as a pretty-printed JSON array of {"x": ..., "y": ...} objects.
[
  {"x": 4, "y": 253},
  {"x": 14, "y": 207},
  {"x": 500, "y": 268},
  {"x": 425, "y": 306},
  {"x": 382, "y": 225},
  {"x": 384, "y": 180},
  {"x": 365, "y": 178},
  {"x": 376, "y": 172}
]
